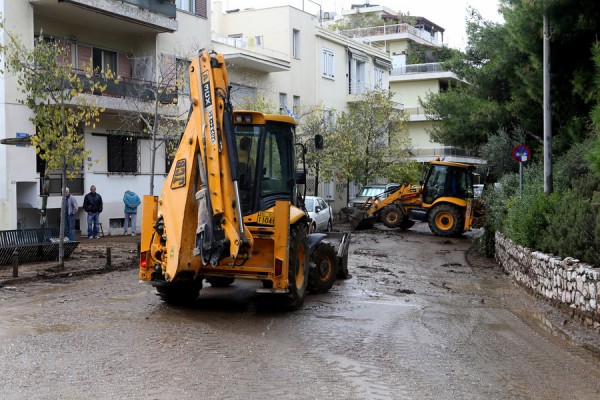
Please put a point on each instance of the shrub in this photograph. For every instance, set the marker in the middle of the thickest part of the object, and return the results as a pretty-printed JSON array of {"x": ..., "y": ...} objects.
[{"x": 572, "y": 229}]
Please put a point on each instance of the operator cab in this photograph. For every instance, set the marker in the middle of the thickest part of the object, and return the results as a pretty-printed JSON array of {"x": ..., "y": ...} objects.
[
  {"x": 446, "y": 179},
  {"x": 266, "y": 154}
]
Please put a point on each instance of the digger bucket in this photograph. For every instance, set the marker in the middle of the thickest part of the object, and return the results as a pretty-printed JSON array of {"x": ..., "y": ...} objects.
[{"x": 359, "y": 220}]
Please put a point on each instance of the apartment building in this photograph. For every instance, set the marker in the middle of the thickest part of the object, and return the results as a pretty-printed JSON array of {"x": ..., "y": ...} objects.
[
  {"x": 287, "y": 57},
  {"x": 412, "y": 82},
  {"x": 132, "y": 37}
]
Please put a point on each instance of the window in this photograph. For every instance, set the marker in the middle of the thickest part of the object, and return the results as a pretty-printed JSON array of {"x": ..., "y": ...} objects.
[
  {"x": 104, "y": 60},
  {"x": 283, "y": 102},
  {"x": 296, "y": 106},
  {"x": 122, "y": 153},
  {"x": 296, "y": 44},
  {"x": 327, "y": 60},
  {"x": 357, "y": 76},
  {"x": 183, "y": 75},
  {"x": 186, "y": 5},
  {"x": 378, "y": 77},
  {"x": 171, "y": 146}
]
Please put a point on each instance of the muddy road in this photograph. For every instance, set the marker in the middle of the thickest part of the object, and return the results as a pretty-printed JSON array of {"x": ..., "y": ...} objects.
[{"x": 415, "y": 321}]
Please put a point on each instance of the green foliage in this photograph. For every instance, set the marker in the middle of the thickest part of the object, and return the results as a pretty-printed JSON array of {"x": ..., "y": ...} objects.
[
  {"x": 460, "y": 117},
  {"x": 503, "y": 66},
  {"x": 594, "y": 154},
  {"x": 315, "y": 121},
  {"x": 368, "y": 140},
  {"x": 572, "y": 232},
  {"x": 564, "y": 223},
  {"x": 421, "y": 53},
  {"x": 260, "y": 104},
  {"x": 54, "y": 91},
  {"x": 528, "y": 218},
  {"x": 361, "y": 20},
  {"x": 498, "y": 151}
]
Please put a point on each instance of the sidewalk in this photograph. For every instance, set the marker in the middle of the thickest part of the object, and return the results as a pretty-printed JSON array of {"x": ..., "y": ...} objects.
[{"x": 90, "y": 257}]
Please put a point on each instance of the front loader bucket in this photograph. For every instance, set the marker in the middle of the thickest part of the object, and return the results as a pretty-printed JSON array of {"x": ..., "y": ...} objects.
[{"x": 359, "y": 220}]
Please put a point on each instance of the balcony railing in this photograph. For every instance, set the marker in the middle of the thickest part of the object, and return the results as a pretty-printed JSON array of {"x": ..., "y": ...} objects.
[
  {"x": 386, "y": 30},
  {"x": 136, "y": 89},
  {"x": 248, "y": 43},
  {"x": 418, "y": 69},
  {"x": 163, "y": 7},
  {"x": 444, "y": 151}
]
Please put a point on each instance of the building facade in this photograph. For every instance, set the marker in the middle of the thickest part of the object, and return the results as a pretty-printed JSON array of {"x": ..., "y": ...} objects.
[{"x": 133, "y": 38}]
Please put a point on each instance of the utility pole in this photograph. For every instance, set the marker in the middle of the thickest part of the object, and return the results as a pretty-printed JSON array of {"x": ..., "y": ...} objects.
[{"x": 547, "y": 112}]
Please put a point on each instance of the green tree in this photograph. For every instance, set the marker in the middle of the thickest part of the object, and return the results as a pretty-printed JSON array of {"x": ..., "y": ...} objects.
[
  {"x": 503, "y": 66},
  {"x": 316, "y": 121},
  {"x": 368, "y": 141},
  {"x": 594, "y": 154},
  {"x": 61, "y": 101},
  {"x": 361, "y": 20},
  {"x": 159, "y": 113}
]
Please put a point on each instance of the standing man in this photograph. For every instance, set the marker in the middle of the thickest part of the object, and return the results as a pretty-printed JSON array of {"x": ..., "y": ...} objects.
[
  {"x": 92, "y": 204},
  {"x": 70, "y": 212},
  {"x": 132, "y": 201}
]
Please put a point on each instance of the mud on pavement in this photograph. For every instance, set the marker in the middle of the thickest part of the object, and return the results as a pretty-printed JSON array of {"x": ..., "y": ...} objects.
[{"x": 92, "y": 256}]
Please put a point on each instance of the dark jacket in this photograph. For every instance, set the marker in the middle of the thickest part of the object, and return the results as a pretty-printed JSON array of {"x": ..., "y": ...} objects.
[{"x": 92, "y": 203}]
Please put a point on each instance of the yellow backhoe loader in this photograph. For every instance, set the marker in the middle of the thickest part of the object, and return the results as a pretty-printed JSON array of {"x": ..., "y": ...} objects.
[
  {"x": 225, "y": 214},
  {"x": 444, "y": 199}
]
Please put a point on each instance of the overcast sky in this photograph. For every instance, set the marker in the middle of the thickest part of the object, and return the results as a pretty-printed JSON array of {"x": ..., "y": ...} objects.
[{"x": 449, "y": 14}]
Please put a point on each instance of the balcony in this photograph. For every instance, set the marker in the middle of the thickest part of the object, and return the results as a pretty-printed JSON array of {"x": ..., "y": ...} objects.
[
  {"x": 428, "y": 71},
  {"x": 248, "y": 52},
  {"x": 391, "y": 32},
  {"x": 123, "y": 16}
]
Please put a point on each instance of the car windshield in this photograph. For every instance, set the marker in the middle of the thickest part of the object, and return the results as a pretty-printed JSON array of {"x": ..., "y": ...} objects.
[
  {"x": 310, "y": 204},
  {"x": 369, "y": 191}
]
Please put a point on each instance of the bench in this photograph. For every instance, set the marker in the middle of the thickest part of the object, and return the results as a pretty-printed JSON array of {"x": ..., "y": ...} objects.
[{"x": 32, "y": 245}]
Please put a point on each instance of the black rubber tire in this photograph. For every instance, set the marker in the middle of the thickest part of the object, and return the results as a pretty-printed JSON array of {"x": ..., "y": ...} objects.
[
  {"x": 298, "y": 267},
  {"x": 406, "y": 223},
  {"x": 446, "y": 220},
  {"x": 322, "y": 277},
  {"x": 220, "y": 281},
  {"x": 391, "y": 216},
  {"x": 180, "y": 293}
]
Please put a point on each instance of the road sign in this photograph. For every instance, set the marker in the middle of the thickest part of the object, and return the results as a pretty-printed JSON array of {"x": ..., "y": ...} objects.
[{"x": 521, "y": 153}]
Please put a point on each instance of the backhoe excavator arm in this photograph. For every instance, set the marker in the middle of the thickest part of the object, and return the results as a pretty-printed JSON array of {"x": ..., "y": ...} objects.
[{"x": 203, "y": 183}]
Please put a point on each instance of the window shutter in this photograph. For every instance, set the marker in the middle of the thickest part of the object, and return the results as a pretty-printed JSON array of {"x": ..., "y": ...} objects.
[
  {"x": 201, "y": 8},
  {"x": 84, "y": 53},
  {"x": 124, "y": 67}
]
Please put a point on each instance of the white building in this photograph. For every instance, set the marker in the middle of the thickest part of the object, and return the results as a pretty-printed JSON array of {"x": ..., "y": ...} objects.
[{"x": 117, "y": 33}]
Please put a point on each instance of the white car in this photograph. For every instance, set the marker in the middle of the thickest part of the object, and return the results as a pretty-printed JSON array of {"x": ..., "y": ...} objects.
[{"x": 320, "y": 212}]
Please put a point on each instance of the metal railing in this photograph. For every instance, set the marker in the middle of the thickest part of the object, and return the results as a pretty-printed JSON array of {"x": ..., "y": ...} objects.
[
  {"x": 418, "y": 69},
  {"x": 137, "y": 89},
  {"x": 163, "y": 7},
  {"x": 248, "y": 43},
  {"x": 396, "y": 29},
  {"x": 444, "y": 151}
]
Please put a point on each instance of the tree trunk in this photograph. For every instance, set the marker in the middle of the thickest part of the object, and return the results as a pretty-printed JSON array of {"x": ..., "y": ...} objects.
[{"x": 61, "y": 231}]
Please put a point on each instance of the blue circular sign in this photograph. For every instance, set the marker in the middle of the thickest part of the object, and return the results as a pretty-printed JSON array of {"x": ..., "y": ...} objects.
[{"x": 521, "y": 153}]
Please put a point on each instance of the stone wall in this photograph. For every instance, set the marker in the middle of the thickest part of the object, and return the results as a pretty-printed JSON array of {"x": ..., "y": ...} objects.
[{"x": 569, "y": 284}]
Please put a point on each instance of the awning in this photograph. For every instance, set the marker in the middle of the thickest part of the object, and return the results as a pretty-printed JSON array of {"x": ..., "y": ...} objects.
[
  {"x": 358, "y": 55},
  {"x": 382, "y": 63}
]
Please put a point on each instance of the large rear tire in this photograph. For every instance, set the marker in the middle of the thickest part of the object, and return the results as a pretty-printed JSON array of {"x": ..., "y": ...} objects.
[
  {"x": 298, "y": 267},
  {"x": 446, "y": 220},
  {"x": 219, "y": 281},
  {"x": 322, "y": 277},
  {"x": 180, "y": 293},
  {"x": 391, "y": 216}
]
